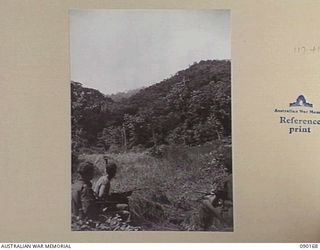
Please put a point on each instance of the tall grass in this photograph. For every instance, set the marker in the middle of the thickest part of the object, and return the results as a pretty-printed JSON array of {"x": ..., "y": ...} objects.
[{"x": 168, "y": 199}]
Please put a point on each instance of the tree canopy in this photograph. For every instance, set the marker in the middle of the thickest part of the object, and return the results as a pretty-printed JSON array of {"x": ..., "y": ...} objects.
[{"x": 191, "y": 108}]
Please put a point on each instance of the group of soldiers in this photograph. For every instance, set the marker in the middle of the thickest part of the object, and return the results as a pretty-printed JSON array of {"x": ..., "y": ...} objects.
[{"x": 89, "y": 201}]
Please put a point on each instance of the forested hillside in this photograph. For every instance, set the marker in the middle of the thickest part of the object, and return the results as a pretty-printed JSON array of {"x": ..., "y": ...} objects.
[{"x": 190, "y": 108}]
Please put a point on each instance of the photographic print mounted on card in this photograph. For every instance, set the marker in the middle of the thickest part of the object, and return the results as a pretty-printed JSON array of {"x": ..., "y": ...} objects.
[{"x": 151, "y": 120}]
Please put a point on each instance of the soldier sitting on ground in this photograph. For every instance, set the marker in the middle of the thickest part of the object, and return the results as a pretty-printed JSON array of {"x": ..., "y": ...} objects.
[
  {"x": 83, "y": 198},
  {"x": 111, "y": 200},
  {"x": 219, "y": 204},
  {"x": 102, "y": 186}
]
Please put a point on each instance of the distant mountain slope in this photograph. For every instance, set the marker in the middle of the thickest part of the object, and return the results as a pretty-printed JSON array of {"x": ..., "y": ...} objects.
[
  {"x": 118, "y": 97},
  {"x": 196, "y": 76},
  {"x": 192, "y": 107}
]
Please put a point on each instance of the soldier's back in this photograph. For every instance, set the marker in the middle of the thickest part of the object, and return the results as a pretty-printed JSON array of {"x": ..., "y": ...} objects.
[{"x": 83, "y": 199}]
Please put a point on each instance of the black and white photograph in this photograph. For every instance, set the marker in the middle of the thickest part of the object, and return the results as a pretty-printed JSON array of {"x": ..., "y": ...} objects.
[{"x": 151, "y": 134}]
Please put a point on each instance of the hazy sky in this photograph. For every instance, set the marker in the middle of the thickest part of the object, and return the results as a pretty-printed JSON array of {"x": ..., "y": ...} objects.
[{"x": 118, "y": 50}]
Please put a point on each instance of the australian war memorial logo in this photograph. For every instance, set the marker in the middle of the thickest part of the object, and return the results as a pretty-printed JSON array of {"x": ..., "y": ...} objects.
[
  {"x": 301, "y": 101},
  {"x": 300, "y": 116}
]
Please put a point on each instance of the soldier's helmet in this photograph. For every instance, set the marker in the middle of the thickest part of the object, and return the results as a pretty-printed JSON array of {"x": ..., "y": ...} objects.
[{"x": 86, "y": 169}]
